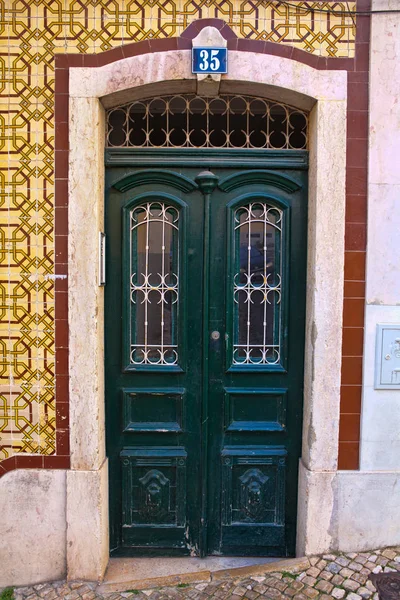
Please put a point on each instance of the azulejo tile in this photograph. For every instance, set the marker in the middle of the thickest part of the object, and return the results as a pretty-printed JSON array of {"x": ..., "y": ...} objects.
[{"x": 32, "y": 33}]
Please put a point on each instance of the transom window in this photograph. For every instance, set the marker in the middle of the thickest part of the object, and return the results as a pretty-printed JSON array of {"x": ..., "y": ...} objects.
[{"x": 190, "y": 121}]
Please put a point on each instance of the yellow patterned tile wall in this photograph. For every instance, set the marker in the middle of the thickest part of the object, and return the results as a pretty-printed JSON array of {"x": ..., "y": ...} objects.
[{"x": 31, "y": 32}]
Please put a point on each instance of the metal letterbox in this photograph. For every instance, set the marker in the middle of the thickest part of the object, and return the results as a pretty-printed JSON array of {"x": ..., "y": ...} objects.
[{"x": 387, "y": 364}]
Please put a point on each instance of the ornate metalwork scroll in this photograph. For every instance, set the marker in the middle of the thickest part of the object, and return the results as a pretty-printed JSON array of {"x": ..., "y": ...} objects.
[
  {"x": 154, "y": 284},
  {"x": 190, "y": 121},
  {"x": 257, "y": 284}
]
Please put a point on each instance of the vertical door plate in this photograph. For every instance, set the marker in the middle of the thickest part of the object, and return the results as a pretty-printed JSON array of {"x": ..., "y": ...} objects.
[{"x": 102, "y": 259}]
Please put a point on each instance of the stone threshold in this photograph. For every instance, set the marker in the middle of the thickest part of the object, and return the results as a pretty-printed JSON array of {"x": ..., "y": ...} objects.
[{"x": 146, "y": 573}]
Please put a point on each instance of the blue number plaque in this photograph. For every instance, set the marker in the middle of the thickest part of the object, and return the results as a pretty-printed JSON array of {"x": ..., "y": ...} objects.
[{"x": 209, "y": 60}]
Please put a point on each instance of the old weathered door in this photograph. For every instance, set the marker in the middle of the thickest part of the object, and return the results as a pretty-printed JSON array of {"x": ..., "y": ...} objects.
[{"x": 204, "y": 354}]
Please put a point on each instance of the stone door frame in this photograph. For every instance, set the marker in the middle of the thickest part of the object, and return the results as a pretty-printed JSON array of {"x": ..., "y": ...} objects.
[{"x": 91, "y": 91}]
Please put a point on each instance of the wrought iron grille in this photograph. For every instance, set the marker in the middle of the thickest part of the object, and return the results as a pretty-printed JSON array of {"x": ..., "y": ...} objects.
[
  {"x": 257, "y": 284},
  {"x": 154, "y": 284},
  {"x": 190, "y": 121}
]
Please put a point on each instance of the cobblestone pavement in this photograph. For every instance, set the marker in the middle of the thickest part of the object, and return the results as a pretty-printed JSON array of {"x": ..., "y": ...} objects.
[{"x": 331, "y": 576}]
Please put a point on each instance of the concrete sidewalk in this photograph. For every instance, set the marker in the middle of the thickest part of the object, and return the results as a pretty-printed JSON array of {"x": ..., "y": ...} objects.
[{"x": 327, "y": 577}]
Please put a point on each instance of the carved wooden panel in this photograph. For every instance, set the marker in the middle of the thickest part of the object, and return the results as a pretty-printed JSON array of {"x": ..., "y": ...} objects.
[
  {"x": 253, "y": 482},
  {"x": 255, "y": 409},
  {"x": 153, "y": 410},
  {"x": 153, "y": 486}
]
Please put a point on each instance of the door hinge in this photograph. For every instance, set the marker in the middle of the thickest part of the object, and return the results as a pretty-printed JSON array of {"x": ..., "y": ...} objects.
[{"x": 102, "y": 258}]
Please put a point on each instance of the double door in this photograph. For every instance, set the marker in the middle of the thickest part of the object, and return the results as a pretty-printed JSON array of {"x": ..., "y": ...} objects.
[{"x": 204, "y": 341}]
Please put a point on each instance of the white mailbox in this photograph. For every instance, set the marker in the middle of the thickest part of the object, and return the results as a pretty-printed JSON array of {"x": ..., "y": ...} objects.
[{"x": 387, "y": 365}]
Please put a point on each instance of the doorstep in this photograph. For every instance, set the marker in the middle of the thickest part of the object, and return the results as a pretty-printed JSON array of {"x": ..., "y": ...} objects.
[{"x": 145, "y": 573}]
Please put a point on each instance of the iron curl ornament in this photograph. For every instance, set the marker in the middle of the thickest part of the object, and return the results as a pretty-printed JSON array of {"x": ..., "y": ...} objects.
[
  {"x": 154, "y": 284},
  {"x": 191, "y": 121}
]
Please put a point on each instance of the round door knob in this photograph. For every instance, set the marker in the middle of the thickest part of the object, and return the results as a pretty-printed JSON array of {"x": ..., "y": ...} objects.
[{"x": 215, "y": 335}]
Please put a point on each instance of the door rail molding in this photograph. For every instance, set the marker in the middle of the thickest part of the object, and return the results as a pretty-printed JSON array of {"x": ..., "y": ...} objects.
[
  {"x": 225, "y": 157},
  {"x": 176, "y": 180},
  {"x": 244, "y": 178}
]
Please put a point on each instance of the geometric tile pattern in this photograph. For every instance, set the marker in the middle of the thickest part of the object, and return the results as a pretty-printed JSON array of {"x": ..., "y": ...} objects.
[{"x": 31, "y": 32}]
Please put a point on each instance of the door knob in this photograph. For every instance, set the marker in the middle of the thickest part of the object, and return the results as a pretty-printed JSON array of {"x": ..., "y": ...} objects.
[{"x": 215, "y": 335}]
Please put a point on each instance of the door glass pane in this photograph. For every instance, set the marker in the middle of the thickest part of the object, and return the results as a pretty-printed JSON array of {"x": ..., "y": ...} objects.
[
  {"x": 257, "y": 284},
  {"x": 154, "y": 284}
]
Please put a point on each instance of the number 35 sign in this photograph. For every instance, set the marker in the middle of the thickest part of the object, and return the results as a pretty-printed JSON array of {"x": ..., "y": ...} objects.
[{"x": 209, "y": 60}]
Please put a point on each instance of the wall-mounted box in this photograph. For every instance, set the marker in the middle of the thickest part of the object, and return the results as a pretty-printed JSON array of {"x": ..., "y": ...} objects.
[{"x": 387, "y": 363}]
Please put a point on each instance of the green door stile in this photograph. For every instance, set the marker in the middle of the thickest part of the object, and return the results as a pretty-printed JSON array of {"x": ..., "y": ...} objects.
[
  {"x": 204, "y": 349},
  {"x": 207, "y": 183}
]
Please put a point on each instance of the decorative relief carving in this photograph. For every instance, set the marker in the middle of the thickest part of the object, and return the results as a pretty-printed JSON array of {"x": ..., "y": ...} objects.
[
  {"x": 252, "y": 493},
  {"x": 154, "y": 486},
  {"x": 155, "y": 493},
  {"x": 253, "y": 484}
]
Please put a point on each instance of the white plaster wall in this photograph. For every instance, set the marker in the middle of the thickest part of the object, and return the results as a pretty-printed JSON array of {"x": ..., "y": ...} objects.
[
  {"x": 32, "y": 526},
  {"x": 367, "y": 509},
  {"x": 383, "y": 265},
  {"x": 380, "y": 425},
  {"x": 348, "y": 511},
  {"x": 384, "y": 99},
  {"x": 380, "y": 420}
]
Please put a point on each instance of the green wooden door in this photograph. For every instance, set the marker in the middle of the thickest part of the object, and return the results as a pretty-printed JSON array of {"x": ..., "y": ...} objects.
[{"x": 204, "y": 338}]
